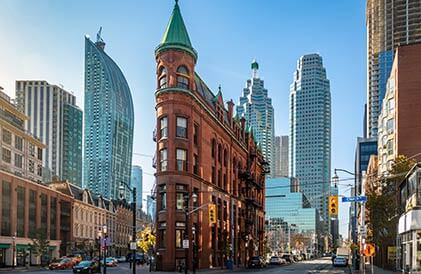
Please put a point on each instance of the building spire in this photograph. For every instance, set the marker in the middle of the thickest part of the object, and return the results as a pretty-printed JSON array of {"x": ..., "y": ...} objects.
[
  {"x": 254, "y": 68},
  {"x": 176, "y": 35},
  {"x": 99, "y": 41}
]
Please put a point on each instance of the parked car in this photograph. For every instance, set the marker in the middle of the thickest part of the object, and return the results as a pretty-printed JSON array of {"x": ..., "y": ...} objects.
[
  {"x": 288, "y": 258},
  {"x": 121, "y": 259},
  {"x": 87, "y": 267},
  {"x": 110, "y": 262},
  {"x": 256, "y": 262},
  {"x": 64, "y": 263},
  {"x": 340, "y": 261},
  {"x": 275, "y": 260},
  {"x": 298, "y": 258},
  {"x": 140, "y": 258}
]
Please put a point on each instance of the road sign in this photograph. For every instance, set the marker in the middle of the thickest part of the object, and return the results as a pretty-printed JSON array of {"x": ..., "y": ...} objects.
[
  {"x": 333, "y": 206},
  {"x": 369, "y": 250},
  {"x": 354, "y": 199},
  {"x": 185, "y": 243},
  {"x": 133, "y": 245}
]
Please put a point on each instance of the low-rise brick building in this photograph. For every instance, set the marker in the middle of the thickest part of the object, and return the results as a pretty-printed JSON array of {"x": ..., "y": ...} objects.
[{"x": 202, "y": 151}]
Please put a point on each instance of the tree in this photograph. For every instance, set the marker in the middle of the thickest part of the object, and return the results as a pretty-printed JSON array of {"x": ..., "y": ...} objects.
[
  {"x": 382, "y": 204},
  {"x": 40, "y": 245},
  {"x": 146, "y": 239}
]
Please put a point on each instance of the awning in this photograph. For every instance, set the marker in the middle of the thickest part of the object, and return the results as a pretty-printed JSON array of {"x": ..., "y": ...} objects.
[
  {"x": 20, "y": 246},
  {"x": 4, "y": 246}
]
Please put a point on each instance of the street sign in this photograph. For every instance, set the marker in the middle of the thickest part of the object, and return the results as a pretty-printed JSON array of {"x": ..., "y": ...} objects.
[
  {"x": 354, "y": 199},
  {"x": 133, "y": 245},
  {"x": 185, "y": 243},
  {"x": 369, "y": 250}
]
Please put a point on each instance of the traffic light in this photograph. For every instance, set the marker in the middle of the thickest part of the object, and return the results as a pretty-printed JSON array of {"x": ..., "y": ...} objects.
[
  {"x": 333, "y": 206},
  {"x": 212, "y": 214}
]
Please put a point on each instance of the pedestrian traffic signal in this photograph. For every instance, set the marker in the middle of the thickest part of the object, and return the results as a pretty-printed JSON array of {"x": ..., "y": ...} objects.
[
  {"x": 212, "y": 213},
  {"x": 333, "y": 206}
]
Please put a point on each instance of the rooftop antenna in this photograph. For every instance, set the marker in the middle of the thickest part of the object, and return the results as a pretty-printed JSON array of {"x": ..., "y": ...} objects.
[{"x": 99, "y": 41}]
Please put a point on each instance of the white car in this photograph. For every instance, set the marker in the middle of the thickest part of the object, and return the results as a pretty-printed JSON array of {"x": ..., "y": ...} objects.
[
  {"x": 277, "y": 260},
  {"x": 340, "y": 261}
]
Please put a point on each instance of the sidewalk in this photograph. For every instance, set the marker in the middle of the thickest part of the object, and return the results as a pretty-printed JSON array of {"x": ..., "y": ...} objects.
[
  {"x": 377, "y": 270},
  {"x": 207, "y": 271},
  {"x": 22, "y": 269}
]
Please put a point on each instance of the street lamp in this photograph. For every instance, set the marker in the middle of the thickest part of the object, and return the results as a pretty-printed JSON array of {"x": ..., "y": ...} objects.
[
  {"x": 335, "y": 180},
  {"x": 186, "y": 236},
  {"x": 104, "y": 240},
  {"x": 133, "y": 243},
  {"x": 14, "y": 250}
]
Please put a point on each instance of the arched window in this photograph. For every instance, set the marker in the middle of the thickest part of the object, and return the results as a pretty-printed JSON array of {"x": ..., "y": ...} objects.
[
  {"x": 182, "y": 77},
  {"x": 163, "y": 82}
]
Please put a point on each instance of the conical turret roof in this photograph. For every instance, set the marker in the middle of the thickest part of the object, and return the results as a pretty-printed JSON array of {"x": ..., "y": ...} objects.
[{"x": 176, "y": 35}]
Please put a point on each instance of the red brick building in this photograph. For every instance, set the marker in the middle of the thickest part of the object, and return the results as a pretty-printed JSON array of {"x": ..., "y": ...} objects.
[{"x": 203, "y": 151}]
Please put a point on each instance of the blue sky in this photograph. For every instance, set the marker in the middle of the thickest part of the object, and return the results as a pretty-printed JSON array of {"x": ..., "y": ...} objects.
[{"x": 44, "y": 39}]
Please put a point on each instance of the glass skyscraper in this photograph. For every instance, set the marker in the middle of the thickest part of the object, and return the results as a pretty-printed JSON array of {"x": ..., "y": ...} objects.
[
  {"x": 310, "y": 132},
  {"x": 137, "y": 182},
  {"x": 109, "y": 123},
  {"x": 390, "y": 23},
  {"x": 292, "y": 208},
  {"x": 256, "y": 107}
]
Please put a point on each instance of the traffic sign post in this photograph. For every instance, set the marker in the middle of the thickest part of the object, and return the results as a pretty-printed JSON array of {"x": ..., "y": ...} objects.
[{"x": 354, "y": 199}]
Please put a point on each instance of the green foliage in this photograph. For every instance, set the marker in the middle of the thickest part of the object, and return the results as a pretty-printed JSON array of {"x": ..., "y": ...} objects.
[
  {"x": 382, "y": 203},
  {"x": 40, "y": 244}
]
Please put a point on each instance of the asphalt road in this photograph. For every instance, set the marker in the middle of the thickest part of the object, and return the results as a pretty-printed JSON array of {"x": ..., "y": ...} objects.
[{"x": 319, "y": 266}]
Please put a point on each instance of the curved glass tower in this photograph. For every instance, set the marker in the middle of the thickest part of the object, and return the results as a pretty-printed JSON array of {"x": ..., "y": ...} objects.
[{"x": 109, "y": 120}]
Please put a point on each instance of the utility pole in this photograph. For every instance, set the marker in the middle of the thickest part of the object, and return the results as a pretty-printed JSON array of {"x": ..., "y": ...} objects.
[{"x": 363, "y": 230}]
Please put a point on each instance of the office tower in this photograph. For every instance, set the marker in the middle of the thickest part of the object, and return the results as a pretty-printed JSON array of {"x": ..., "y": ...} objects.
[
  {"x": 256, "y": 107},
  {"x": 390, "y": 23},
  {"x": 294, "y": 209},
  {"x": 20, "y": 153},
  {"x": 277, "y": 157},
  {"x": 310, "y": 132},
  {"x": 151, "y": 207},
  {"x": 284, "y": 155},
  {"x": 109, "y": 123},
  {"x": 203, "y": 155},
  {"x": 137, "y": 182},
  {"x": 399, "y": 123},
  {"x": 54, "y": 119}
]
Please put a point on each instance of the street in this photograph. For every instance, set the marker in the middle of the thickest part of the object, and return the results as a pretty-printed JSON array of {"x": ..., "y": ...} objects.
[{"x": 322, "y": 265}]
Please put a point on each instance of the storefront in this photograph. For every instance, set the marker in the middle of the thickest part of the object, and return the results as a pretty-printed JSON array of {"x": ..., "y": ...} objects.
[
  {"x": 409, "y": 249},
  {"x": 3, "y": 248}
]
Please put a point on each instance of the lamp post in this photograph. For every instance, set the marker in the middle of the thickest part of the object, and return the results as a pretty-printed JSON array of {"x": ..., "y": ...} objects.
[
  {"x": 99, "y": 245},
  {"x": 133, "y": 190},
  {"x": 104, "y": 233},
  {"x": 14, "y": 250},
  {"x": 335, "y": 180},
  {"x": 186, "y": 233}
]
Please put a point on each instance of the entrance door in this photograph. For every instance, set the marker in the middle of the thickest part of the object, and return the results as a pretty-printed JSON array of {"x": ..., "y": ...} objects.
[{"x": 2, "y": 257}]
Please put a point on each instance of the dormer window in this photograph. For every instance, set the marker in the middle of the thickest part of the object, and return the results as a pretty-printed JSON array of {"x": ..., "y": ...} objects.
[
  {"x": 182, "y": 77},
  {"x": 163, "y": 77}
]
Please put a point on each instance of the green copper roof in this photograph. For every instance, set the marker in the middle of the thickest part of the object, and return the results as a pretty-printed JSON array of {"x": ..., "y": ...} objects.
[
  {"x": 176, "y": 36},
  {"x": 254, "y": 65}
]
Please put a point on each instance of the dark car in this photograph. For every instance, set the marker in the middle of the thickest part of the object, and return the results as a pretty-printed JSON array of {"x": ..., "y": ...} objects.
[
  {"x": 87, "y": 267},
  {"x": 140, "y": 258},
  {"x": 256, "y": 262},
  {"x": 289, "y": 258}
]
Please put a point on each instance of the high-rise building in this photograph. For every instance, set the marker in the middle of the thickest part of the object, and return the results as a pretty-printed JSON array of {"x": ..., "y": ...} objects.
[
  {"x": 55, "y": 119},
  {"x": 137, "y": 182},
  {"x": 390, "y": 23},
  {"x": 20, "y": 153},
  {"x": 399, "y": 126},
  {"x": 277, "y": 157},
  {"x": 203, "y": 155},
  {"x": 294, "y": 209},
  {"x": 256, "y": 107},
  {"x": 310, "y": 132},
  {"x": 151, "y": 207},
  {"x": 284, "y": 148},
  {"x": 109, "y": 120}
]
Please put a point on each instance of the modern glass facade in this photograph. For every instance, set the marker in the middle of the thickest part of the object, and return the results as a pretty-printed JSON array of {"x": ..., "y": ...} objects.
[
  {"x": 256, "y": 107},
  {"x": 293, "y": 208},
  {"x": 72, "y": 144},
  {"x": 109, "y": 120},
  {"x": 137, "y": 182},
  {"x": 310, "y": 132}
]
